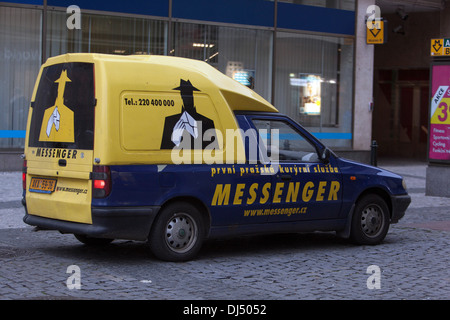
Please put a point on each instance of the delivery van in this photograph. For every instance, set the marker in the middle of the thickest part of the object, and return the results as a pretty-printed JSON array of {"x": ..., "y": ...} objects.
[{"x": 171, "y": 151}]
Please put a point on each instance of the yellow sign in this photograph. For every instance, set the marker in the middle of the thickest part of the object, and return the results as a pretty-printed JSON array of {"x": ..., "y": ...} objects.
[
  {"x": 375, "y": 32},
  {"x": 436, "y": 47},
  {"x": 440, "y": 47}
]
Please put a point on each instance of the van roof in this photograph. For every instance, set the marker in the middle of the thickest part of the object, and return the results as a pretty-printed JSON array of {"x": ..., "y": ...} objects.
[{"x": 238, "y": 96}]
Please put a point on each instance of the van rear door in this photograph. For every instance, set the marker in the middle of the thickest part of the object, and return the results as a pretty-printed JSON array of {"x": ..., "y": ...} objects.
[{"x": 60, "y": 143}]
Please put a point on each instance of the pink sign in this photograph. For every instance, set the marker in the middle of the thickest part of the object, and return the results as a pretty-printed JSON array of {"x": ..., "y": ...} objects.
[{"x": 439, "y": 146}]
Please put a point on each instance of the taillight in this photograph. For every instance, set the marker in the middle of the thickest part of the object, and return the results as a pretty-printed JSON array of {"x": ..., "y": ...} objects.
[
  {"x": 99, "y": 184},
  {"x": 24, "y": 175},
  {"x": 101, "y": 181}
]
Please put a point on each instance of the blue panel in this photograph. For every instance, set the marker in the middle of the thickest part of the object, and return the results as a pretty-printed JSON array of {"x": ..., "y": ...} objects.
[
  {"x": 248, "y": 12},
  {"x": 318, "y": 19},
  {"x": 318, "y": 135},
  {"x": 33, "y": 2},
  {"x": 153, "y": 8},
  {"x": 12, "y": 133},
  {"x": 333, "y": 135}
]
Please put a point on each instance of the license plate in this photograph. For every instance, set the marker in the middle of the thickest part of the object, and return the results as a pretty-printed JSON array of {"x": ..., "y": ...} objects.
[{"x": 42, "y": 185}]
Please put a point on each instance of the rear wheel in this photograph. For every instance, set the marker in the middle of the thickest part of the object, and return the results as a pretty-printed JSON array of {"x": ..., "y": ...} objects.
[
  {"x": 370, "y": 222},
  {"x": 178, "y": 232}
]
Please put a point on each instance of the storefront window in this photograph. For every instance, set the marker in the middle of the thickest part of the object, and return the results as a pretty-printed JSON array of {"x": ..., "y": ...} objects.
[
  {"x": 314, "y": 84},
  {"x": 20, "y": 58},
  {"x": 195, "y": 41},
  {"x": 105, "y": 34},
  {"x": 246, "y": 56},
  {"x": 242, "y": 54},
  {"x": 311, "y": 79}
]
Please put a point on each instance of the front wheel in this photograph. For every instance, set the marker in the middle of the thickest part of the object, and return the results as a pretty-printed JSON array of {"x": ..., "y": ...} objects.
[
  {"x": 178, "y": 232},
  {"x": 370, "y": 222}
]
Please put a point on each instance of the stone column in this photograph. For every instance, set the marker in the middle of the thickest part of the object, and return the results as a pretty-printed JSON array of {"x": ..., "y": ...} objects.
[{"x": 363, "y": 89}]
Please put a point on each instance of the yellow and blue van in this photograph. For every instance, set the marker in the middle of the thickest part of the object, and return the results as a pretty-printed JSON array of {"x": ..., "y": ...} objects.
[{"x": 171, "y": 151}]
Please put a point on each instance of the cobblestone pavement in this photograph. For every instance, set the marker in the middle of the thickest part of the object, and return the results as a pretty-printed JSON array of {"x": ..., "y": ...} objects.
[{"x": 413, "y": 260}]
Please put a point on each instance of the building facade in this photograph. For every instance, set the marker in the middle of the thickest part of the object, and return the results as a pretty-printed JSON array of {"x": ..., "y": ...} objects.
[{"x": 308, "y": 58}]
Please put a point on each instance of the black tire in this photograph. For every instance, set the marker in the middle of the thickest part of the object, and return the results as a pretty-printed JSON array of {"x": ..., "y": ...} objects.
[
  {"x": 178, "y": 232},
  {"x": 92, "y": 241},
  {"x": 370, "y": 222}
]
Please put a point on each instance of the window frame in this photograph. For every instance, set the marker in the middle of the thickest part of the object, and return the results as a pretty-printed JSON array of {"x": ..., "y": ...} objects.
[{"x": 314, "y": 142}]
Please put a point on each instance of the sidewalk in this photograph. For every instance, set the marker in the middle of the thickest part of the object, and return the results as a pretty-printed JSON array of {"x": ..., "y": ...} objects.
[
  {"x": 11, "y": 209},
  {"x": 424, "y": 211},
  {"x": 414, "y": 174}
]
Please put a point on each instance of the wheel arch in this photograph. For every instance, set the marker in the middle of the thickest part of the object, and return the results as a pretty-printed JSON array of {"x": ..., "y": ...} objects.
[
  {"x": 379, "y": 192},
  {"x": 195, "y": 202},
  {"x": 345, "y": 233}
]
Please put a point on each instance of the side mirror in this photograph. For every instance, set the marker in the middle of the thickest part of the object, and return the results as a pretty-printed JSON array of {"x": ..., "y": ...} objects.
[{"x": 325, "y": 156}]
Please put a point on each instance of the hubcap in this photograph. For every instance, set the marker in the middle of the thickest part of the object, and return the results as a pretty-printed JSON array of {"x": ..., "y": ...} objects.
[
  {"x": 372, "y": 220},
  {"x": 181, "y": 232}
]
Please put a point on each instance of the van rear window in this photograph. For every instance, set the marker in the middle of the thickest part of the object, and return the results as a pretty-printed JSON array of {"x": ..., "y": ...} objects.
[{"x": 63, "y": 110}]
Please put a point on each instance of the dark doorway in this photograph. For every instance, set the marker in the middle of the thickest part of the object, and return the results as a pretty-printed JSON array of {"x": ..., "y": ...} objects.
[{"x": 400, "y": 117}]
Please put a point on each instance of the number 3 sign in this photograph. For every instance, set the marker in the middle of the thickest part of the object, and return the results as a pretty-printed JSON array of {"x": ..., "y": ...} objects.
[{"x": 439, "y": 140}]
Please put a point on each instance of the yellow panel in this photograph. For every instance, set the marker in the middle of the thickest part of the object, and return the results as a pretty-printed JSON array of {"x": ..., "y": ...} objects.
[
  {"x": 142, "y": 120},
  {"x": 442, "y": 113},
  {"x": 71, "y": 200}
]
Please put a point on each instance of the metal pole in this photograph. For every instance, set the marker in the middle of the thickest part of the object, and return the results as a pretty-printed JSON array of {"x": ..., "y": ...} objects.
[
  {"x": 373, "y": 153},
  {"x": 169, "y": 30},
  {"x": 44, "y": 33},
  {"x": 274, "y": 49}
]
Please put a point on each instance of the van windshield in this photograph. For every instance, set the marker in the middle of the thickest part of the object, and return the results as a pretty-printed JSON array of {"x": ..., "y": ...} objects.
[{"x": 63, "y": 110}]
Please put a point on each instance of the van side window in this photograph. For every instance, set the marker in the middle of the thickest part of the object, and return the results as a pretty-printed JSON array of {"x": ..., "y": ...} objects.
[{"x": 278, "y": 135}]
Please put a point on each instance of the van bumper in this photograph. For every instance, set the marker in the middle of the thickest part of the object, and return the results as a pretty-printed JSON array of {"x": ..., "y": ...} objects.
[
  {"x": 399, "y": 205},
  {"x": 130, "y": 223}
]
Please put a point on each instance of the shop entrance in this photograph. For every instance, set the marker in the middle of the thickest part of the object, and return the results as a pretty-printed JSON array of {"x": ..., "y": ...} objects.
[{"x": 400, "y": 116}]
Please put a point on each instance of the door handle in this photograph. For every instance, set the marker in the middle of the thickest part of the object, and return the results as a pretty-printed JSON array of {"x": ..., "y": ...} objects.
[
  {"x": 62, "y": 162},
  {"x": 285, "y": 177}
]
